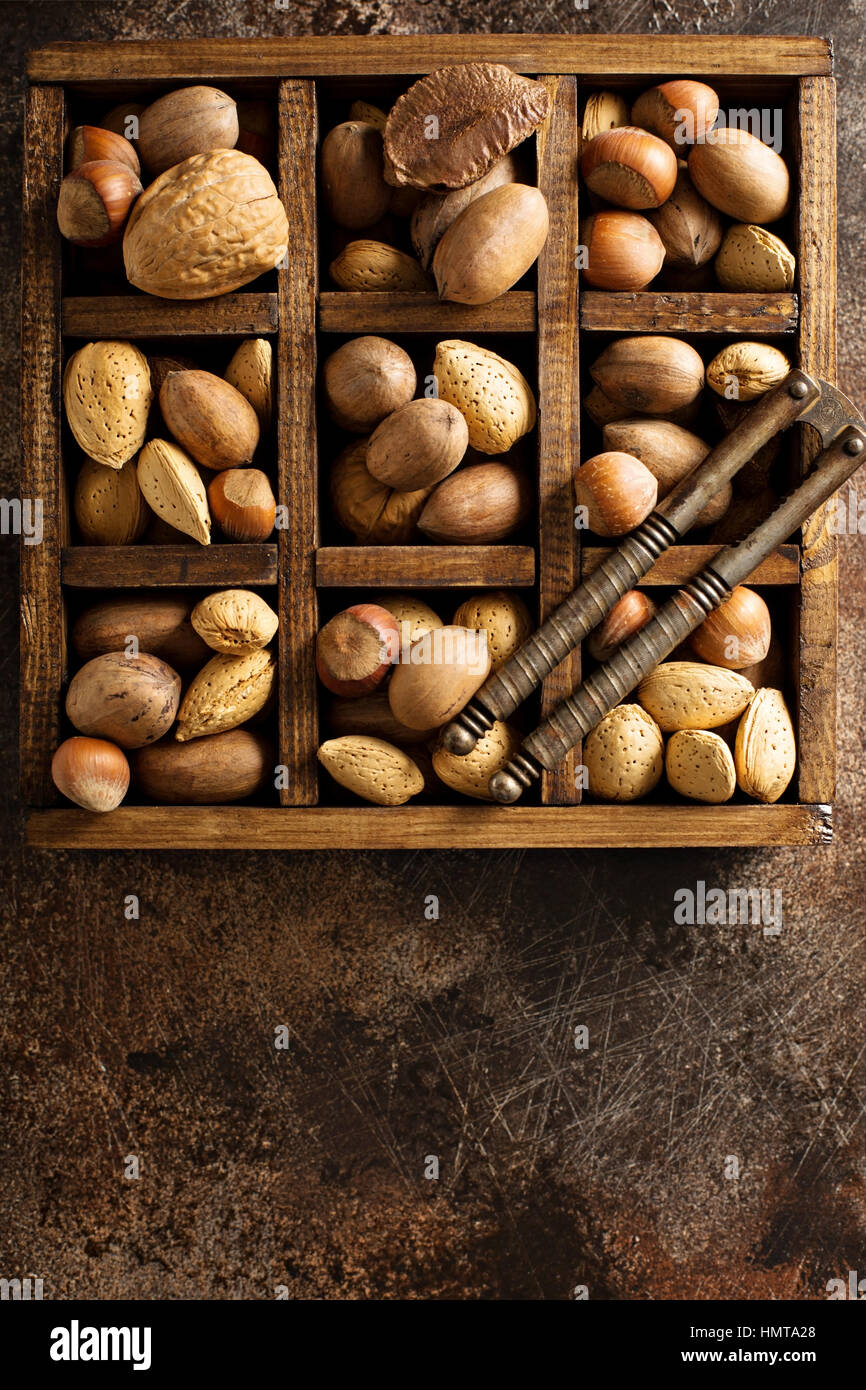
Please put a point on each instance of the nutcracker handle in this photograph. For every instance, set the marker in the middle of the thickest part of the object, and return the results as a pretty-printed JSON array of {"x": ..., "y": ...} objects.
[
  {"x": 573, "y": 719},
  {"x": 588, "y": 604}
]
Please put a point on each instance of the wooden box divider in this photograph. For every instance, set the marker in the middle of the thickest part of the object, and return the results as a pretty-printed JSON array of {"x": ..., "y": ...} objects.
[
  {"x": 286, "y": 305},
  {"x": 168, "y": 566},
  {"x": 663, "y": 311},
  {"x": 297, "y": 467},
  {"x": 559, "y": 395},
  {"x": 343, "y": 311},
  {"x": 42, "y": 618},
  {"x": 816, "y": 260},
  {"x": 425, "y": 566},
  {"x": 141, "y": 316}
]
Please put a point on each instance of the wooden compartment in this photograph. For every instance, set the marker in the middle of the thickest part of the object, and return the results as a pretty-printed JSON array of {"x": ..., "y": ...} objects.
[{"x": 560, "y": 325}]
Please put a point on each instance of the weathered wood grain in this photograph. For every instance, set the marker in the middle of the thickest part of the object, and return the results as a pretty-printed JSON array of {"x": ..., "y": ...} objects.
[
  {"x": 682, "y": 562},
  {"x": 664, "y": 312},
  {"x": 297, "y": 469},
  {"x": 425, "y": 566},
  {"x": 345, "y": 311},
  {"x": 143, "y": 316},
  {"x": 588, "y": 54},
  {"x": 42, "y": 625},
  {"x": 816, "y": 262},
  {"x": 432, "y": 827},
  {"x": 559, "y": 394},
  {"x": 168, "y": 566}
]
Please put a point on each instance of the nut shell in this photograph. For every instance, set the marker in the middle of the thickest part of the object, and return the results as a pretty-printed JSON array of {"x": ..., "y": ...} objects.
[
  {"x": 366, "y": 265},
  {"x": 172, "y": 487},
  {"x": 209, "y": 418},
  {"x": 481, "y": 111},
  {"x": 108, "y": 505},
  {"x": 413, "y": 615},
  {"x": 618, "y": 492},
  {"x": 205, "y": 227},
  {"x": 374, "y": 513},
  {"x": 629, "y": 167},
  {"x": 353, "y": 182},
  {"x": 494, "y": 398},
  {"x": 436, "y": 212},
  {"x": 740, "y": 175},
  {"x": 91, "y": 772},
  {"x": 603, "y": 111},
  {"x": 753, "y": 259},
  {"x": 129, "y": 700},
  {"x": 689, "y": 695},
  {"x": 371, "y": 714},
  {"x": 503, "y": 616},
  {"x": 242, "y": 504},
  {"x": 227, "y": 691},
  {"x": 624, "y": 250},
  {"x": 418, "y": 445},
  {"x": 188, "y": 121},
  {"x": 698, "y": 764},
  {"x": 208, "y": 771},
  {"x": 160, "y": 621},
  {"x": 689, "y": 228},
  {"x": 365, "y": 380},
  {"x": 372, "y": 769},
  {"x": 107, "y": 395},
  {"x": 437, "y": 676},
  {"x": 765, "y": 752},
  {"x": 478, "y": 505},
  {"x": 736, "y": 634},
  {"x": 234, "y": 621},
  {"x": 491, "y": 245},
  {"x": 670, "y": 452},
  {"x": 623, "y": 755},
  {"x": 471, "y": 775},
  {"x": 251, "y": 371},
  {"x": 744, "y": 370},
  {"x": 679, "y": 112},
  {"x": 651, "y": 375}
]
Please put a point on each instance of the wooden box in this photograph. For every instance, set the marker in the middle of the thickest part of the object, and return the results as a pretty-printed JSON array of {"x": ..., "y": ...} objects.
[{"x": 548, "y": 326}]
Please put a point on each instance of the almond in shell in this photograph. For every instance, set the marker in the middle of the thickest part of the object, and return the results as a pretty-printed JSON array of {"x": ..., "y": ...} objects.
[
  {"x": 503, "y": 616},
  {"x": 251, "y": 371},
  {"x": 744, "y": 370},
  {"x": 765, "y": 753},
  {"x": 375, "y": 266},
  {"x": 108, "y": 504},
  {"x": 227, "y": 692},
  {"x": 235, "y": 621},
  {"x": 690, "y": 695},
  {"x": 753, "y": 259},
  {"x": 471, "y": 775},
  {"x": 494, "y": 398},
  {"x": 107, "y": 395},
  {"x": 699, "y": 766},
  {"x": 372, "y": 769},
  {"x": 173, "y": 489},
  {"x": 624, "y": 754}
]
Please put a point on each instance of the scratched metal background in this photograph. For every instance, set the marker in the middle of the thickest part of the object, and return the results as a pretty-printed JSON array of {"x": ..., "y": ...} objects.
[{"x": 455, "y": 1038}]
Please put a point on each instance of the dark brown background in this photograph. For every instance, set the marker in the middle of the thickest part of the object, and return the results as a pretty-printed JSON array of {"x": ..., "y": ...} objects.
[{"x": 455, "y": 1037}]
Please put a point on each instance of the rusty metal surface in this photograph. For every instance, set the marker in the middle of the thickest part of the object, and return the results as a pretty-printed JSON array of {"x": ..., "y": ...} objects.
[{"x": 456, "y": 1038}]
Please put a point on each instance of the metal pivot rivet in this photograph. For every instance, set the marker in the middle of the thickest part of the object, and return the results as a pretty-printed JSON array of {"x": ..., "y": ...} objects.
[
  {"x": 854, "y": 446},
  {"x": 798, "y": 389}
]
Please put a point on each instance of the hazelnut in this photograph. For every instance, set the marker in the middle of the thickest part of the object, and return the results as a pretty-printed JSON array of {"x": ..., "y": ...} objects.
[
  {"x": 629, "y": 167},
  {"x": 618, "y": 492},
  {"x": 94, "y": 202},
  {"x": 624, "y": 251}
]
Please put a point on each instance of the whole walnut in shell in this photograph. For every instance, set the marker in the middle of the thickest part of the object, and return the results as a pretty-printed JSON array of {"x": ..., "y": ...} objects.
[
  {"x": 375, "y": 513},
  {"x": 205, "y": 227}
]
